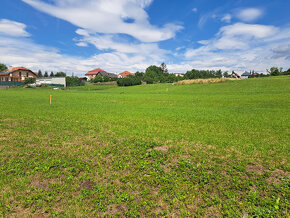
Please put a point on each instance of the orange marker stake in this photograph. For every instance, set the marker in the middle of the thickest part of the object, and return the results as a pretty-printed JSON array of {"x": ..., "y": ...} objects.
[{"x": 50, "y": 97}]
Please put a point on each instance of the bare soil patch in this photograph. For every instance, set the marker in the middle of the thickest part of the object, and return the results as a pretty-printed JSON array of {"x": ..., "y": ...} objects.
[
  {"x": 88, "y": 184},
  {"x": 162, "y": 148}
]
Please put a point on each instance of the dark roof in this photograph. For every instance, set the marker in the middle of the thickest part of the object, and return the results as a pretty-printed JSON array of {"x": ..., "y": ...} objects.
[
  {"x": 4, "y": 73},
  {"x": 112, "y": 75},
  {"x": 246, "y": 74}
]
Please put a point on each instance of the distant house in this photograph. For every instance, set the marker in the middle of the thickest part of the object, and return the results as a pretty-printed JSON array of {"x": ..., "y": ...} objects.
[
  {"x": 179, "y": 74},
  {"x": 84, "y": 78},
  {"x": 17, "y": 74},
  {"x": 255, "y": 74},
  {"x": 125, "y": 74},
  {"x": 99, "y": 72},
  {"x": 51, "y": 81},
  {"x": 245, "y": 75},
  {"x": 235, "y": 75}
]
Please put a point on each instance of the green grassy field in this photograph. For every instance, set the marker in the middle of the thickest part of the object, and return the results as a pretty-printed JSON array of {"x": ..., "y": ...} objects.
[{"x": 152, "y": 150}]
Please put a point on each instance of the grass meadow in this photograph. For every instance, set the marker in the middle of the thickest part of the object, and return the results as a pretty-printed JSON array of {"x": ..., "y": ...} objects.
[{"x": 204, "y": 150}]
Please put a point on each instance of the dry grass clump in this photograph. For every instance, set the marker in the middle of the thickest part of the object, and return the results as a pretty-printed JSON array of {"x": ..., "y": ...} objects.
[{"x": 203, "y": 81}]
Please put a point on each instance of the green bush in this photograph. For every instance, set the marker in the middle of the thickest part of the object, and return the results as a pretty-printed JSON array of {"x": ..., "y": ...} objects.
[
  {"x": 129, "y": 81},
  {"x": 97, "y": 79},
  {"x": 74, "y": 81},
  {"x": 29, "y": 80}
]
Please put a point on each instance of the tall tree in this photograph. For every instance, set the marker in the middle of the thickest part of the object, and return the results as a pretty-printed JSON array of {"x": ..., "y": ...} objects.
[
  {"x": 3, "y": 67},
  {"x": 51, "y": 74},
  {"x": 39, "y": 74},
  {"x": 60, "y": 74},
  {"x": 274, "y": 71},
  {"x": 164, "y": 68},
  {"x": 45, "y": 74}
]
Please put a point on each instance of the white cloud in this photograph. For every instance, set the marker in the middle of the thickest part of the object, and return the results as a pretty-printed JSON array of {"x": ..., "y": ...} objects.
[
  {"x": 194, "y": 10},
  {"x": 250, "y": 30},
  {"x": 113, "y": 42},
  {"x": 24, "y": 52},
  {"x": 242, "y": 47},
  {"x": 102, "y": 16},
  {"x": 226, "y": 18},
  {"x": 249, "y": 14},
  {"x": 12, "y": 28}
]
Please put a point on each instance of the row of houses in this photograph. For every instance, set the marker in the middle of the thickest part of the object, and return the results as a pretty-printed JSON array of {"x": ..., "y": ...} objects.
[
  {"x": 19, "y": 74},
  {"x": 99, "y": 72}
]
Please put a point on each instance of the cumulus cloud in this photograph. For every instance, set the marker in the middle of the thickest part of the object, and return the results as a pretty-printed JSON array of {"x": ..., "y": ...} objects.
[
  {"x": 20, "y": 51},
  {"x": 109, "y": 17},
  {"x": 249, "y": 14},
  {"x": 113, "y": 42},
  {"x": 12, "y": 28},
  {"x": 242, "y": 47}
]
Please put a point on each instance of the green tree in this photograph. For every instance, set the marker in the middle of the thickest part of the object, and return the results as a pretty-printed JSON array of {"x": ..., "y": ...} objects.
[
  {"x": 51, "y": 74},
  {"x": 218, "y": 74},
  {"x": 274, "y": 71},
  {"x": 29, "y": 80},
  {"x": 39, "y": 74},
  {"x": 226, "y": 74},
  {"x": 60, "y": 74},
  {"x": 74, "y": 81},
  {"x": 152, "y": 74},
  {"x": 45, "y": 74},
  {"x": 3, "y": 67},
  {"x": 139, "y": 74},
  {"x": 97, "y": 79},
  {"x": 164, "y": 68},
  {"x": 106, "y": 78},
  {"x": 172, "y": 78}
]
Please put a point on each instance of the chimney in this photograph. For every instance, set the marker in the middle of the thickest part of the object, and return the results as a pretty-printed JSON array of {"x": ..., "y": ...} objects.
[{"x": 10, "y": 68}]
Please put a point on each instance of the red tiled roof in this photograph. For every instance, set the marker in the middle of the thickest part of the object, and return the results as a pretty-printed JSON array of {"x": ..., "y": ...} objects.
[
  {"x": 17, "y": 68},
  {"x": 94, "y": 72},
  {"x": 126, "y": 73}
]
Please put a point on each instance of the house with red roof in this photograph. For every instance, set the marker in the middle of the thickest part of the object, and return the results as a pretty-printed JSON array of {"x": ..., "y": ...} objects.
[
  {"x": 99, "y": 72},
  {"x": 17, "y": 74},
  {"x": 125, "y": 74}
]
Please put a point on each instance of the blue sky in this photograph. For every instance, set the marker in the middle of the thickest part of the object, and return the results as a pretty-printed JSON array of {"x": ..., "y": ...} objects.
[{"x": 117, "y": 35}]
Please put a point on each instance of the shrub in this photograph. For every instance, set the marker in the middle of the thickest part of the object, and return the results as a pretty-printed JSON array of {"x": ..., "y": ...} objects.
[
  {"x": 29, "y": 80},
  {"x": 97, "y": 79},
  {"x": 129, "y": 81},
  {"x": 106, "y": 78},
  {"x": 74, "y": 81}
]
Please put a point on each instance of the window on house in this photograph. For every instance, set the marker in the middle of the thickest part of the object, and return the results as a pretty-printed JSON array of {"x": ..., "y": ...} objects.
[
  {"x": 27, "y": 74},
  {"x": 20, "y": 74}
]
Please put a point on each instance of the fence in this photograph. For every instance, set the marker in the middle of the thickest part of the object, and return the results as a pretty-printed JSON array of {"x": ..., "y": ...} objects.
[{"x": 11, "y": 83}]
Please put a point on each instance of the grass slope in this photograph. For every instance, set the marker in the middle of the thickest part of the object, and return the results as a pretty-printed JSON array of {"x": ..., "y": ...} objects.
[{"x": 151, "y": 150}]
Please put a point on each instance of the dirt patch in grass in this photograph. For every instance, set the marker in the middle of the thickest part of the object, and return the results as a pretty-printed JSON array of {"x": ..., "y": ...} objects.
[
  {"x": 212, "y": 212},
  {"x": 162, "y": 148},
  {"x": 116, "y": 209},
  {"x": 256, "y": 169},
  {"x": 280, "y": 173},
  {"x": 88, "y": 184},
  {"x": 276, "y": 175},
  {"x": 39, "y": 184}
]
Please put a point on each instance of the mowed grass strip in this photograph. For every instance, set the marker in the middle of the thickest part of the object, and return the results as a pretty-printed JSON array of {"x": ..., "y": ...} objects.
[{"x": 153, "y": 150}]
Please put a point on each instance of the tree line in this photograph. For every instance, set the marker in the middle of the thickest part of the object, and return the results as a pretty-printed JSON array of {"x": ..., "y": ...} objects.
[{"x": 58, "y": 74}]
